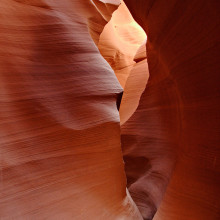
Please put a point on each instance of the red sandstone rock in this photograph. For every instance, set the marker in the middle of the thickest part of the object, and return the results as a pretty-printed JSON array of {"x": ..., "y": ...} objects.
[
  {"x": 59, "y": 125},
  {"x": 177, "y": 119}
]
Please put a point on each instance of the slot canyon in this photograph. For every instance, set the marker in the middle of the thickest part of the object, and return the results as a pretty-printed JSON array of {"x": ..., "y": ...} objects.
[{"x": 109, "y": 110}]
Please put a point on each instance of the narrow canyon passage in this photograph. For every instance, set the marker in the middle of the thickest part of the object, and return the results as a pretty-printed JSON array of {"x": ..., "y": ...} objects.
[
  {"x": 103, "y": 119},
  {"x": 149, "y": 157}
]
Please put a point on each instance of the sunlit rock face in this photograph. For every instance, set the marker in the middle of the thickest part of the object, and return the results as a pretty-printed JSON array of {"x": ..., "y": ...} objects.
[
  {"x": 119, "y": 42},
  {"x": 122, "y": 44},
  {"x": 59, "y": 124},
  {"x": 177, "y": 119}
]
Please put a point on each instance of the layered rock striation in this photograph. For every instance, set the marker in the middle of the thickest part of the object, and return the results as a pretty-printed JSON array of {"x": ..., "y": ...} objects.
[
  {"x": 71, "y": 143},
  {"x": 59, "y": 124},
  {"x": 177, "y": 120}
]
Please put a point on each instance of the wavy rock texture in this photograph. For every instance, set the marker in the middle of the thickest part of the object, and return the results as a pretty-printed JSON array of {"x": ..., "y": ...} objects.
[
  {"x": 59, "y": 125},
  {"x": 60, "y": 142},
  {"x": 177, "y": 120}
]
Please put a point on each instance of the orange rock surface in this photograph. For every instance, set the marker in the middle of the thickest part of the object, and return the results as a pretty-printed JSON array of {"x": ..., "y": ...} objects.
[
  {"x": 122, "y": 44},
  {"x": 71, "y": 144}
]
